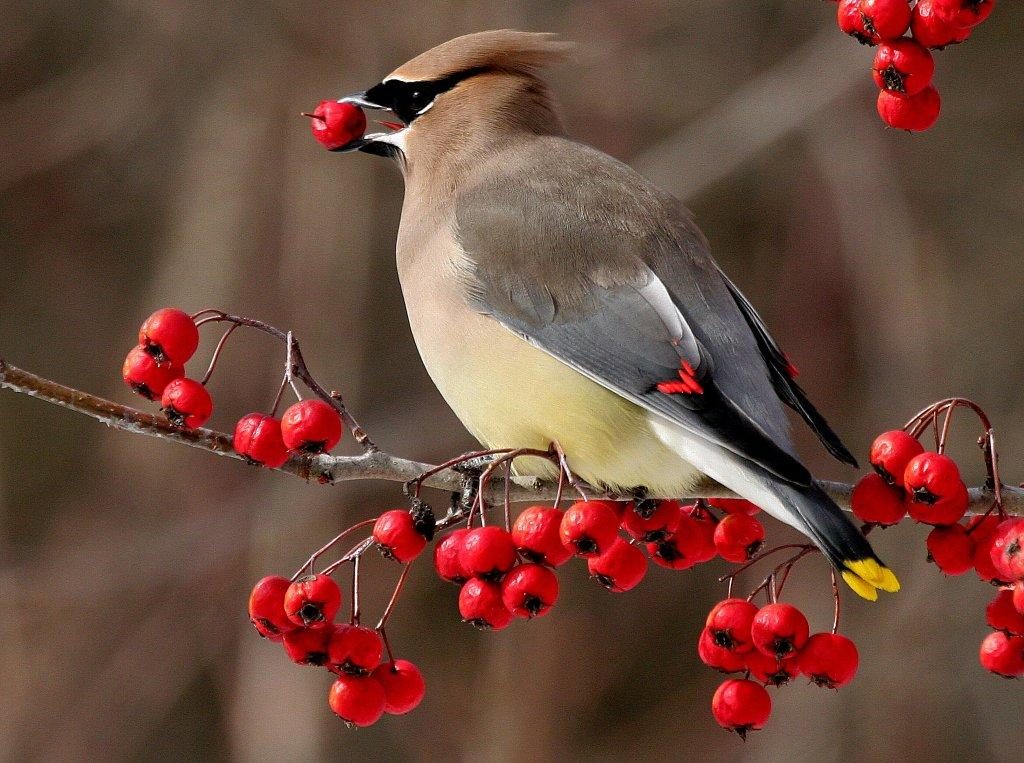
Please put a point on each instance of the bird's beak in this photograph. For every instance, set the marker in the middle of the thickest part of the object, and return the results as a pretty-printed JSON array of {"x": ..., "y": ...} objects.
[{"x": 372, "y": 143}]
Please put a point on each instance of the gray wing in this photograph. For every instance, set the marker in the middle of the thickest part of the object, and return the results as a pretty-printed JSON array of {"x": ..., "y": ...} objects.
[{"x": 585, "y": 259}]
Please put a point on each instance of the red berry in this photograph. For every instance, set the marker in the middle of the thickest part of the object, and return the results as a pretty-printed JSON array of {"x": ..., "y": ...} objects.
[
  {"x": 1003, "y": 655},
  {"x": 885, "y": 19},
  {"x": 969, "y": 13},
  {"x": 403, "y": 684},
  {"x": 488, "y": 552},
  {"x": 529, "y": 590},
  {"x": 983, "y": 560},
  {"x": 397, "y": 537},
  {"x": 909, "y": 112},
  {"x": 446, "y": 557},
  {"x": 829, "y": 660},
  {"x": 170, "y": 336},
  {"x": 779, "y": 629},
  {"x": 1007, "y": 549},
  {"x": 481, "y": 604},
  {"x": 266, "y": 608},
  {"x": 687, "y": 547},
  {"x": 620, "y": 568},
  {"x": 357, "y": 700},
  {"x": 891, "y": 451},
  {"x": 729, "y": 622},
  {"x": 875, "y": 501},
  {"x": 619, "y": 507},
  {"x": 145, "y": 376},
  {"x": 851, "y": 21},
  {"x": 536, "y": 535},
  {"x": 1018, "y": 596},
  {"x": 741, "y": 706},
  {"x": 589, "y": 528},
  {"x": 935, "y": 24},
  {"x": 652, "y": 521},
  {"x": 1002, "y": 615},
  {"x": 353, "y": 649},
  {"x": 312, "y": 601},
  {"x": 951, "y": 548},
  {"x": 186, "y": 403},
  {"x": 310, "y": 426},
  {"x": 335, "y": 125},
  {"x": 718, "y": 657},
  {"x": 734, "y": 505},
  {"x": 258, "y": 440},
  {"x": 901, "y": 66},
  {"x": 738, "y": 537},
  {"x": 770, "y": 670},
  {"x": 982, "y": 527},
  {"x": 937, "y": 495},
  {"x": 703, "y": 524},
  {"x": 308, "y": 646}
]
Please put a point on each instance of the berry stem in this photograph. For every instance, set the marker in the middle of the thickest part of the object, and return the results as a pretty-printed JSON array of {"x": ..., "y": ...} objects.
[
  {"x": 355, "y": 591},
  {"x": 505, "y": 496},
  {"x": 394, "y": 600},
  {"x": 216, "y": 354},
  {"x": 387, "y": 646},
  {"x": 835, "y": 598},
  {"x": 308, "y": 564}
]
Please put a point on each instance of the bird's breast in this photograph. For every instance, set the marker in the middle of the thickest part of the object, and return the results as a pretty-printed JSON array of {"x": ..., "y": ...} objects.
[{"x": 509, "y": 393}]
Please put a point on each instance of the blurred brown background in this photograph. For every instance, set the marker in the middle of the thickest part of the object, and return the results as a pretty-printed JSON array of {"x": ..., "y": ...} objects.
[{"x": 151, "y": 154}]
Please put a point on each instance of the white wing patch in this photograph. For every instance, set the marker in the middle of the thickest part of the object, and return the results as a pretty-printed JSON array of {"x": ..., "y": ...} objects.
[{"x": 656, "y": 295}]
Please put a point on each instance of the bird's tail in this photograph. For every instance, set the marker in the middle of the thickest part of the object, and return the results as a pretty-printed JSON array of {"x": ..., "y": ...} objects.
[{"x": 839, "y": 539}]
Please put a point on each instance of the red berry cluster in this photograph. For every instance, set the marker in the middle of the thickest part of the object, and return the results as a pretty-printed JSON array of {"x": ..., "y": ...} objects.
[
  {"x": 903, "y": 66},
  {"x": 908, "y": 480},
  {"x": 772, "y": 645},
  {"x": 508, "y": 573},
  {"x": 155, "y": 369},
  {"x": 300, "y": 614}
]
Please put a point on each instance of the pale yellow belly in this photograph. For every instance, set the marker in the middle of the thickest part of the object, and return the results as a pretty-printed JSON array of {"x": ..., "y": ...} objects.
[{"x": 510, "y": 394}]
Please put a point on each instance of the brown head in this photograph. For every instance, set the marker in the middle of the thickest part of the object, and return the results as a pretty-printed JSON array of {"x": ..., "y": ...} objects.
[{"x": 464, "y": 97}]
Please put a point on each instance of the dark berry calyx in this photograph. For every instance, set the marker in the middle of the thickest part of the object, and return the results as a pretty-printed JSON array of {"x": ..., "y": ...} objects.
[
  {"x": 668, "y": 552},
  {"x": 311, "y": 612},
  {"x": 782, "y": 646},
  {"x": 585, "y": 545},
  {"x": 893, "y": 80},
  {"x": 317, "y": 659},
  {"x": 724, "y": 639},
  {"x": 423, "y": 520},
  {"x": 176, "y": 417},
  {"x": 925, "y": 496},
  {"x": 645, "y": 508}
]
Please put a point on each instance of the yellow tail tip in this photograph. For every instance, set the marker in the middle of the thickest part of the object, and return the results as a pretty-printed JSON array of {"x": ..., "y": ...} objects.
[
  {"x": 860, "y": 587},
  {"x": 864, "y": 576}
]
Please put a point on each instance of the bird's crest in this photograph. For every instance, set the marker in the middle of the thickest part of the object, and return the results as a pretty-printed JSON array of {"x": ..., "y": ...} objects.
[{"x": 505, "y": 50}]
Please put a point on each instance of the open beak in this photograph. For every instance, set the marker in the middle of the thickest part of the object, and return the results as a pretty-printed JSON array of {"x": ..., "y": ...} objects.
[{"x": 373, "y": 143}]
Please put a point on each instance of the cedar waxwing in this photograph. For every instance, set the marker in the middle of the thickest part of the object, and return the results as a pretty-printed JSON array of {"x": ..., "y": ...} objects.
[{"x": 557, "y": 296}]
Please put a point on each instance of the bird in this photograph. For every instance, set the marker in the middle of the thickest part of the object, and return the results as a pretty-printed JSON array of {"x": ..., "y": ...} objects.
[{"x": 556, "y": 296}]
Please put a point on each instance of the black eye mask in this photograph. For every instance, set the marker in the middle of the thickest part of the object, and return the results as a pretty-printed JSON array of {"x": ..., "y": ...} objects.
[{"x": 409, "y": 100}]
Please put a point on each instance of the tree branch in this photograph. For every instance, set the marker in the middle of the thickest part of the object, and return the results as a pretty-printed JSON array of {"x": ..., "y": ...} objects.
[{"x": 375, "y": 465}]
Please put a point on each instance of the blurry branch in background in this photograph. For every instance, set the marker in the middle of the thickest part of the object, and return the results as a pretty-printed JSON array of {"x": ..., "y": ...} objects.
[
  {"x": 373, "y": 464},
  {"x": 765, "y": 109}
]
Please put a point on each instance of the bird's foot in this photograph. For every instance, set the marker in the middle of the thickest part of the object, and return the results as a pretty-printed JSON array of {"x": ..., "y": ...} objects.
[{"x": 564, "y": 471}]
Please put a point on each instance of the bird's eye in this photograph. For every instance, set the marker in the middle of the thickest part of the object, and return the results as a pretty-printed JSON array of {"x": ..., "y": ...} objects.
[{"x": 420, "y": 99}]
